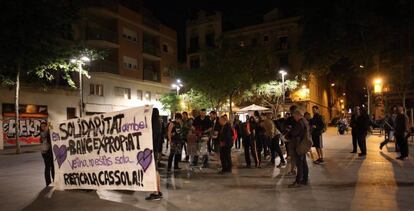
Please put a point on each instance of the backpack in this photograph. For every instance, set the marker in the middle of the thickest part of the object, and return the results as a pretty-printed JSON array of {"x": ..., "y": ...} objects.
[{"x": 305, "y": 145}]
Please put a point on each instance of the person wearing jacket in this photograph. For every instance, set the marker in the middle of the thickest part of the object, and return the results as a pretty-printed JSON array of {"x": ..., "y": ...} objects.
[
  {"x": 47, "y": 153},
  {"x": 296, "y": 136},
  {"x": 317, "y": 128},
  {"x": 360, "y": 124},
  {"x": 402, "y": 132},
  {"x": 225, "y": 138}
]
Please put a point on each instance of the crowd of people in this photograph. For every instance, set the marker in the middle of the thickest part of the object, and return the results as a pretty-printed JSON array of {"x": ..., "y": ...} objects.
[{"x": 262, "y": 136}]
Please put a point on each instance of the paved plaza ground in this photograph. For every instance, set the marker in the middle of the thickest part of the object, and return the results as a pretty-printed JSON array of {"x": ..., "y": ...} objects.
[{"x": 345, "y": 182}]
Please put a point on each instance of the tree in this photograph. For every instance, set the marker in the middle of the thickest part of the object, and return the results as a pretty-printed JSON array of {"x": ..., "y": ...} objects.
[
  {"x": 171, "y": 102},
  {"x": 270, "y": 93},
  {"x": 228, "y": 71},
  {"x": 197, "y": 100},
  {"x": 32, "y": 43}
]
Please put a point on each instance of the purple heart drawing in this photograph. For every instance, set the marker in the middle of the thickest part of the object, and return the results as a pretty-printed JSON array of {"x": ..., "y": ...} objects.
[
  {"x": 145, "y": 158},
  {"x": 60, "y": 153}
]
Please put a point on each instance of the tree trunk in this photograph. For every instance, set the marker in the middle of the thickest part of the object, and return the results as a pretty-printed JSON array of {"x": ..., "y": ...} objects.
[
  {"x": 404, "y": 98},
  {"x": 17, "y": 89},
  {"x": 230, "y": 108}
]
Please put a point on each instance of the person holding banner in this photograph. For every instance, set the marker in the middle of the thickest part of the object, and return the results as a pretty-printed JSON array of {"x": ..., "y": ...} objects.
[
  {"x": 157, "y": 143},
  {"x": 175, "y": 140},
  {"x": 47, "y": 153}
]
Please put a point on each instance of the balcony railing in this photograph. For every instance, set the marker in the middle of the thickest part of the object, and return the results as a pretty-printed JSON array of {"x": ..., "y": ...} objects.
[
  {"x": 151, "y": 75},
  {"x": 104, "y": 66},
  {"x": 151, "y": 49},
  {"x": 93, "y": 33}
]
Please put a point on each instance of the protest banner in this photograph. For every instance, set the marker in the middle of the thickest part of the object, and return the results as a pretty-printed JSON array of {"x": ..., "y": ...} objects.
[{"x": 110, "y": 151}]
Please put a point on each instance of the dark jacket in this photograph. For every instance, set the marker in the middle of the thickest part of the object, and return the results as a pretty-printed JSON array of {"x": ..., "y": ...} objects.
[
  {"x": 317, "y": 124},
  {"x": 401, "y": 124},
  {"x": 157, "y": 134},
  {"x": 226, "y": 136},
  {"x": 360, "y": 124}
]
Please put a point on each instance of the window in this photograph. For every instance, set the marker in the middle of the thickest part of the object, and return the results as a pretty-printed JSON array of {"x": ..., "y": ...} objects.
[
  {"x": 283, "y": 43},
  {"x": 166, "y": 72},
  {"x": 266, "y": 38},
  {"x": 241, "y": 43},
  {"x": 123, "y": 92},
  {"x": 157, "y": 96},
  {"x": 284, "y": 60},
  {"x": 148, "y": 96},
  {"x": 70, "y": 113},
  {"x": 254, "y": 42},
  {"x": 194, "y": 62},
  {"x": 194, "y": 44},
  {"x": 96, "y": 89},
  {"x": 165, "y": 48},
  {"x": 91, "y": 89},
  {"x": 130, "y": 35},
  {"x": 139, "y": 94},
  {"x": 210, "y": 37},
  {"x": 130, "y": 63}
]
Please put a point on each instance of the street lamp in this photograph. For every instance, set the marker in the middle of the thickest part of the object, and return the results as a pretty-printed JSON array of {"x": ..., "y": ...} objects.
[
  {"x": 283, "y": 73},
  {"x": 378, "y": 85},
  {"x": 177, "y": 86},
  {"x": 80, "y": 61}
]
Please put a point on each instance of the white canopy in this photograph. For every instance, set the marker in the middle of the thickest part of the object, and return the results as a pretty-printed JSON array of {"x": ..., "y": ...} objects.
[{"x": 253, "y": 107}]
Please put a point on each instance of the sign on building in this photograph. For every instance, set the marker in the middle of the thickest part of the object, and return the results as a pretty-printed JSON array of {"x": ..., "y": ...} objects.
[{"x": 105, "y": 151}]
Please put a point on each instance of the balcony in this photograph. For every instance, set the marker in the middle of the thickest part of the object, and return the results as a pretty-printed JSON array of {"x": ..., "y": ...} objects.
[
  {"x": 101, "y": 37},
  {"x": 151, "y": 71},
  {"x": 104, "y": 66},
  {"x": 151, "y": 49}
]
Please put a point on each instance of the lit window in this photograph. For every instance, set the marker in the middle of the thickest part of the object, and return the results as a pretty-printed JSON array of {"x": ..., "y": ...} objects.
[
  {"x": 129, "y": 63},
  {"x": 139, "y": 94},
  {"x": 129, "y": 35},
  {"x": 148, "y": 96},
  {"x": 123, "y": 92}
]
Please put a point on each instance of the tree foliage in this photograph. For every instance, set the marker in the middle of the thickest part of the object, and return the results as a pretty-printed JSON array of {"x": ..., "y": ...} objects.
[
  {"x": 196, "y": 100},
  {"x": 171, "y": 102},
  {"x": 228, "y": 71}
]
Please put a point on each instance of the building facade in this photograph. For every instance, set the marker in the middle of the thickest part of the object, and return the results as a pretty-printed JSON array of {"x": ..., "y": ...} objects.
[
  {"x": 140, "y": 55},
  {"x": 279, "y": 35}
]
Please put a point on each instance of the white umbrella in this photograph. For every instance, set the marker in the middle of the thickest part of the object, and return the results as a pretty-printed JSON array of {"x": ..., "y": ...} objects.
[{"x": 253, "y": 107}]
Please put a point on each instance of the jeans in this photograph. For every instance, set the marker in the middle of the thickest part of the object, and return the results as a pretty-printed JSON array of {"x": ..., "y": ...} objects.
[
  {"x": 275, "y": 148},
  {"x": 302, "y": 166},
  {"x": 354, "y": 142},
  {"x": 402, "y": 143},
  {"x": 249, "y": 149},
  {"x": 49, "y": 167},
  {"x": 260, "y": 146},
  {"x": 238, "y": 141},
  {"x": 225, "y": 158},
  {"x": 362, "y": 142}
]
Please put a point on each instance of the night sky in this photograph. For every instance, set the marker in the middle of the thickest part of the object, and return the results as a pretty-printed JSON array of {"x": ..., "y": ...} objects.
[{"x": 235, "y": 14}]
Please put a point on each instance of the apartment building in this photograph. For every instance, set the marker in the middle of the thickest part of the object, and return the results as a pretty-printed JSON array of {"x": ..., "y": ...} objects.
[
  {"x": 281, "y": 35},
  {"x": 140, "y": 55}
]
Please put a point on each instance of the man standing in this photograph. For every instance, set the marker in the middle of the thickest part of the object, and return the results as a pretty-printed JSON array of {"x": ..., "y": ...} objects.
[
  {"x": 226, "y": 142},
  {"x": 202, "y": 125},
  {"x": 360, "y": 124},
  {"x": 297, "y": 135},
  {"x": 175, "y": 139},
  {"x": 317, "y": 127},
  {"x": 402, "y": 132}
]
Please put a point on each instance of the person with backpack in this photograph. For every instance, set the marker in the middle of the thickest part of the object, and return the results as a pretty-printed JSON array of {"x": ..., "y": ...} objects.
[
  {"x": 175, "y": 130},
  {"x": 300, "y": 143},
  {"x": 317, "y": 128}
]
